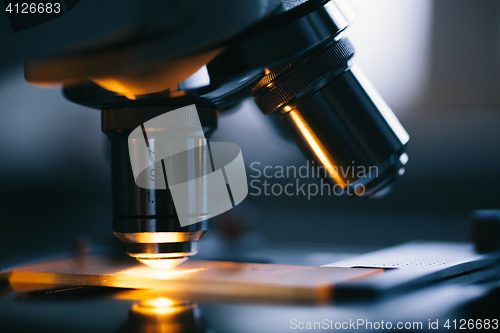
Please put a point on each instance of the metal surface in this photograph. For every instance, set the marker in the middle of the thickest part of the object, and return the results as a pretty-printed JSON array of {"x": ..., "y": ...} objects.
[
  {"x": 144, "y": 218},
  {"x": 281, "y": 37},
  {"x": 359, "y": 144},
  {"x": 338, "y": 118}
]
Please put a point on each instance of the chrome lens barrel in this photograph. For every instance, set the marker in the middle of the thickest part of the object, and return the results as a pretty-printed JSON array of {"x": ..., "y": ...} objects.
[
  {"x": 339, "y": 119},
  {"x": 146, "y": 219}
]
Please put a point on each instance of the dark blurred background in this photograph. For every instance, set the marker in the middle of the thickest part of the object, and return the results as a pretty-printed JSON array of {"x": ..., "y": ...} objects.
[{"x": 435, "y": 62}]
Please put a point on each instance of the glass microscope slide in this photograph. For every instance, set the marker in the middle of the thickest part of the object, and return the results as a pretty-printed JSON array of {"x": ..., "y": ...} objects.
[{"x": 195, "y": 278}]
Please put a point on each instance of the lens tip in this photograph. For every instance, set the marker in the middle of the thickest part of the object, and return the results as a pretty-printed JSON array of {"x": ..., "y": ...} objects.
[{"x": 163, "y": 263}]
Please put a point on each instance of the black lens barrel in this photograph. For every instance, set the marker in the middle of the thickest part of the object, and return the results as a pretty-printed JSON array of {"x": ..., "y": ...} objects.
[{"x": 339, "y": 119}]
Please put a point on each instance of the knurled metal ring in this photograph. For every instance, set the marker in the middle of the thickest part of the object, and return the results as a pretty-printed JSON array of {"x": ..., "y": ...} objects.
[{"x": 283, "y": 83}]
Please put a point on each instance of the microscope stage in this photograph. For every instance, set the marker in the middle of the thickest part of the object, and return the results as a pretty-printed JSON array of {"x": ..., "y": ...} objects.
[{"x": 196, "y": 279}]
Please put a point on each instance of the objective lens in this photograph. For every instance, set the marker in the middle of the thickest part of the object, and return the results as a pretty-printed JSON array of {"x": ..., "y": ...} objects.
[
  {"x": 339, "y": 120},
  {"x": 146, "y": 219}
]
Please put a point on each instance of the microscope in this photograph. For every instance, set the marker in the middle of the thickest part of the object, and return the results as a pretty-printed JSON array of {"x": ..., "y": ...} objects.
[{"x": 136, "y": 60}]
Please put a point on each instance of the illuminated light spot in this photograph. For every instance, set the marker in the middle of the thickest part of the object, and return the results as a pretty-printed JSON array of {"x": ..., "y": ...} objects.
[
  {"x": 159, "y": 274},
  {"x": 163, "y": 263},
  {"x": 403, "y": 158},
  {"x": 160, "y": 307},
  {"x": 159, "y": 302}
]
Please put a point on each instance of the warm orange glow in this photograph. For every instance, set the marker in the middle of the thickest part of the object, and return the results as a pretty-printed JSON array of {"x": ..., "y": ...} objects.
[
  {"x": 159, "y": 302},
  {"x": 159, "y": 307},
  {"x": 140, "y": 294},
  {"x": 153, "y": 77},
  {"x": 118, "y": 87},
  {"x": 159, "y": 237},
  {"x": 317, "y": 147},
  {"x": 25, "y": 287},
  {"x": 154, "y": 256},
  {"x": 163, "y": 263},
  {"x": 287, "y": 108},
  {"x": 171, "y": 274}
]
